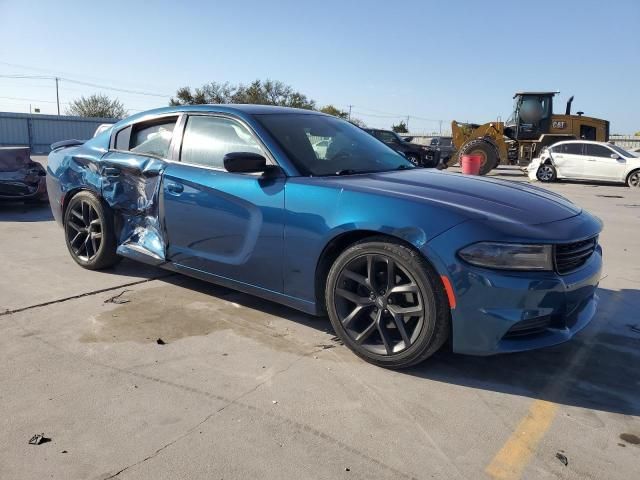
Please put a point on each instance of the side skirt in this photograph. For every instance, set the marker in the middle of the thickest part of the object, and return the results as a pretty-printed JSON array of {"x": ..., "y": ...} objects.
[{"x": 293, "y": 302}]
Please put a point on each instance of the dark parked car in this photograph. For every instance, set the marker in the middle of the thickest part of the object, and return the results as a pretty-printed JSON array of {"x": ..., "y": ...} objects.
[
  {"x": 20, "y": 177},
  {"x": 417, "y": 154},
  {"x": 440, "y": 150},
  {"x": 400, "y": 258}
]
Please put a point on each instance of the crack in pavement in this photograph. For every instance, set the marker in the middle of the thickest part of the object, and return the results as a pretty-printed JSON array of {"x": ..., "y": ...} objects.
[
  {"x": 298, "y": 426},
  {"x": 208, "y": 417},
  {"x": 81, "y": 295}
]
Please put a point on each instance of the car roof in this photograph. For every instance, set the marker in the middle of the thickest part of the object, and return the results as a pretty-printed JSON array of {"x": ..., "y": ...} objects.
[
  {"x": 238, "y": 109},
  {"x": 593, "y": 142}
]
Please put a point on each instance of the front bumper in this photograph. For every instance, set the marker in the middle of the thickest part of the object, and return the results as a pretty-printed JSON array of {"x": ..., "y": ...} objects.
[
  {"x": 494, "y": 309},
  {"x": 532, "y": 169},
  {"x": 508, "y": 311}
]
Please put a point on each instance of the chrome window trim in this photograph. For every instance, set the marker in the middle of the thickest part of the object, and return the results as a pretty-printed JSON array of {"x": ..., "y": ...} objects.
[
  {"x": 114, "y": 133},
  {"x": 175, "y": 147},
  {"x": 180, "y": 138}
]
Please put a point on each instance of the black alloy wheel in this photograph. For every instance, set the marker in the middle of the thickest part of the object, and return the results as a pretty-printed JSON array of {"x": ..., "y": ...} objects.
[
  {"x": 84, "y": 230},
  {"x": 379, "y": 304},
  {"x": 384, "y": 303},
  {"x": 89, "y": 232}
]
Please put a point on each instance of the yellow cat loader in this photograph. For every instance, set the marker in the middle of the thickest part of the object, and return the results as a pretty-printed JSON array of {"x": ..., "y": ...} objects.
[{"x": 531, "y": 127}]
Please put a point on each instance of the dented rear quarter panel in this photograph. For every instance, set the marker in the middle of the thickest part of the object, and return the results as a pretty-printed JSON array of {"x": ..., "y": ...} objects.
[{"x": 127, "y": 183}]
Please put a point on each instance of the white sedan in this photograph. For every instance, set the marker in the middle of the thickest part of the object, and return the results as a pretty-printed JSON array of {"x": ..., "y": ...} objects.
[{"x": 586, "y": 160}]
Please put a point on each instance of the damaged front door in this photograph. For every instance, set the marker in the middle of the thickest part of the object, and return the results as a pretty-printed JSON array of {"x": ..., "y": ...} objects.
[{"x": 226, "y": 224}]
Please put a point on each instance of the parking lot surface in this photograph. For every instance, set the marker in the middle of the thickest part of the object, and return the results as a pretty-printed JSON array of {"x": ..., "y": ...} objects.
[{"x": 241, "y": 388}]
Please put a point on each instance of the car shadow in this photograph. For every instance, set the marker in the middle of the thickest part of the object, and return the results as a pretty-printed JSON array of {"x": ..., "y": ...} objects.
[
  {"x": 15, "y": 211},
  {"x": 508, "y": 173},
  {"x": 591, "y": 183},
  {"x": 598, "y": 369}
]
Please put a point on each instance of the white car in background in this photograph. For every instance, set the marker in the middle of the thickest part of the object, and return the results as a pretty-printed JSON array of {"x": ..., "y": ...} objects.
[{"x": 586, "y": 160}]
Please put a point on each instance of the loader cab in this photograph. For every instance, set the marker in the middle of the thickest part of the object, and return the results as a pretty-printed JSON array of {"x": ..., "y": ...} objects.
[{"x": 531, "y": 115}]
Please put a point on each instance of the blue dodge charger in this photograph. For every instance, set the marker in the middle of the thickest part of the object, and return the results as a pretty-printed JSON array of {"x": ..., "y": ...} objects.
[{"x": 310, "y": 211}]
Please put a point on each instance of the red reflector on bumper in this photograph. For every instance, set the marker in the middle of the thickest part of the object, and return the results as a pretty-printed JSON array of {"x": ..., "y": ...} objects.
[{"x": 449, "y": 289}]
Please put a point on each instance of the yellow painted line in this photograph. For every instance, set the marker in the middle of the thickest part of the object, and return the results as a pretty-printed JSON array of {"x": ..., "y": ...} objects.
[{"x": 516, "y": 453}]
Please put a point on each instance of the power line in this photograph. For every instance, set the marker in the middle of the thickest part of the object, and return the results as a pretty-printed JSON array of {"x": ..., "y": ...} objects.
[
  {"x": 59, "y": 73},
  {"x": 88, "y": 84},
  {"x": 33, "y": 100},
  {"x": 383, "y": 114}
]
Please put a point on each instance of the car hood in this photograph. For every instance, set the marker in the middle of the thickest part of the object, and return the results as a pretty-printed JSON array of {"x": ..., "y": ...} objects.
[{"x": 478, "y": 198}]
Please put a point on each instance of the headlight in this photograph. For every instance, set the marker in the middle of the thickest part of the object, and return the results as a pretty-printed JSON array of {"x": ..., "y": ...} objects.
[{"x": 509, "y": 256}]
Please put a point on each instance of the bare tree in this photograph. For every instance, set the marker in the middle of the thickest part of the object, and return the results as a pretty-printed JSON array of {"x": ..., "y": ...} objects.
[
  {"x": 268, "y": 92},
  {"x": 97, "y": 105}
]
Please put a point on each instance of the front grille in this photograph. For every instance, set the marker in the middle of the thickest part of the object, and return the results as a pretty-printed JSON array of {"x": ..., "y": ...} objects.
[
  {"x": 532, "y": 326},
  {"x": 570, "y": 256}
]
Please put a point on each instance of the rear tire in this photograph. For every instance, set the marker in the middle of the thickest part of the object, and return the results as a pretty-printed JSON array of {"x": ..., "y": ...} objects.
[
  {"x": 633, "y": 179},
  {"x": 393, "y": 320},
  {"x": 484, "y": 149},
  {"x": 89, "y": 232}
]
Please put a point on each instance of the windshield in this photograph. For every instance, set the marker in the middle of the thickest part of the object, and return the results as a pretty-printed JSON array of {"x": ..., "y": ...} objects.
[
  {"x": 622, "y": 151},
  {"x": 323, "y": 145}
]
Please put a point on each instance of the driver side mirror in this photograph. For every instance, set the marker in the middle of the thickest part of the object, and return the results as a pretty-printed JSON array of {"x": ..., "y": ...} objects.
[
  {"x": 244, "y": 162},
  {"x": 615, "y": 156}
]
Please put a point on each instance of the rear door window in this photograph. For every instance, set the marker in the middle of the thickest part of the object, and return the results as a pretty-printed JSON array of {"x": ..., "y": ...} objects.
[
  {"x": 569, "y": 148},
  {"x": 153, "y": 138}
]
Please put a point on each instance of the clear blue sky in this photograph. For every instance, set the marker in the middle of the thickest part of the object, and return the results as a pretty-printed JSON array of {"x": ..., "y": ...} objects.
[{"x": 434, "y": 60}]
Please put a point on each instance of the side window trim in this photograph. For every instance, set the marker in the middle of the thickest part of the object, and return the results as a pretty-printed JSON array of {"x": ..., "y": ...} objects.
[
  {"x": 180, "y": 132},
  {"x": 605, "y": 152},
  {"x": 127, "y": 138},
  {"x": 174, "y": 139}
]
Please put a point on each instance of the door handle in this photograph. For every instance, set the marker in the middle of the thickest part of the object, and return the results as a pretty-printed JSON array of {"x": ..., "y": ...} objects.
[{"x": 175, "y": 188}]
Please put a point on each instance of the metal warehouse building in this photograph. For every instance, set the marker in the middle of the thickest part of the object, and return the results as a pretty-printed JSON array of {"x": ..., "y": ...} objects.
[{"x": 40, "y": 131}]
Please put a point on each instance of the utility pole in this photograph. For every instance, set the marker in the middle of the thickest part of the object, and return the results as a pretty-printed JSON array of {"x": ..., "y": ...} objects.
[
  {"x": 407, "y": 125},
  {"x": 349, "y": 117},
  {"x": 440, "y": 127},
  {"x": 57, "y": 96}
]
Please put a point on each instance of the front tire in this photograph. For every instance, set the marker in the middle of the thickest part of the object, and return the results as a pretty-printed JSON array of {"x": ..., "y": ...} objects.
[
  {"x": 89, "y": 232},
  {"x": 546, "y": 173},
  {"x": 414, "y": 159},
  {"x": 386, "y": 303}
]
